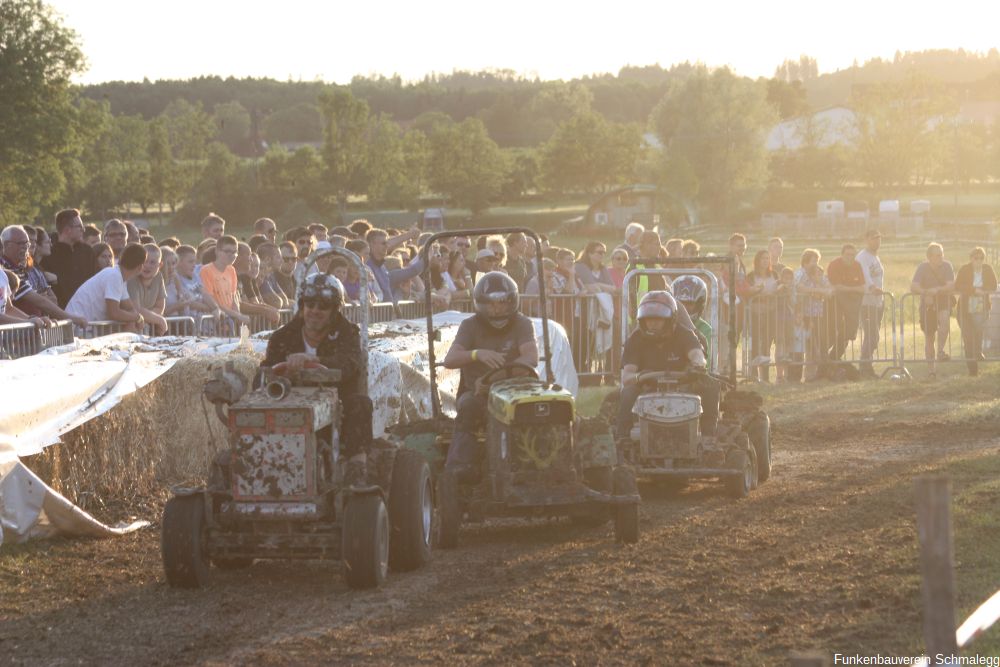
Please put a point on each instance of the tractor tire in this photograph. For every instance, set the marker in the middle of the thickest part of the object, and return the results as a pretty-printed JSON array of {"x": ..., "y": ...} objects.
[
  {"x": 184, "y": 542},
  {"x": 365, "y": 541},
  {"x": 759, "y": 432},
  {"x": 232, "y": 563},
  {"x": 600, "y": 478},
  {"x": 626, "y": 516},
  {"x": 449, "y": 510},
  {"x": 739, "y": 486},
  {"x": 411, "y": 512}
]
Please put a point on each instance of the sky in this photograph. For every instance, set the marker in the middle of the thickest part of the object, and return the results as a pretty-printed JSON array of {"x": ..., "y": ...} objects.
[{"x": 333, "y": 41}]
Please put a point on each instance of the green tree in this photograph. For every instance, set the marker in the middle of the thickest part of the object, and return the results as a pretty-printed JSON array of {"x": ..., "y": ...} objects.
[
  {"x": 232, "y": 126},
  {"x": 588, "y": 153},
  {"x": 714, "y": 123},
  {"x": 466, "y": 166},
  {"x": 345, "y": 129},
  {"x": 895, "y": 142},
  {"x": 164, "y": 180},
  {"x": 302, "y": 122},
  {"x": 38, "y": 55},
  {"x": 190, "y": 129},
  {"x": 522, "y": 175}
]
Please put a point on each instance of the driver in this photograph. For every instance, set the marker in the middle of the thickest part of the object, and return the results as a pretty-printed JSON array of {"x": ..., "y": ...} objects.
[
  {"x": 320, "y": 334},
  {"x": 496, "y": 336},
  {"x": 660, "y": 345}
]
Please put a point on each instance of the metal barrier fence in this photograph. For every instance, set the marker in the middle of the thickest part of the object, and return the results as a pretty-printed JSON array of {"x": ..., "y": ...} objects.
[
  {"x": 802, "y": 334},
  {"x": 935, "y": 330},
  {"x": 22, "y": 340}
]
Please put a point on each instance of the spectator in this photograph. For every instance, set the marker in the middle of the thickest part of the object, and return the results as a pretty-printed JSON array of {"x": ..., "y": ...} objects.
[
  {"x": 457, "y": 275},
  {"x": 675, "y": 247},
  {"x": 387, "y": 280},
  {"x": 343, "y": 231},
  {"x": 441, "y": 292},
  {"x": 72, "y": 260},
  {"x": 147, "y": 292},
  {"x": 267, "y": 228},
  {"x": 649, "y": 249},
  {"x": 784, "y": 339},
  {"x": 105, "y": 295},
  {"x": 91, "y": 235},
  {"x": 251, "y": 302},
  {"x": 360, "y": 228},
  {"x": 517, "y": 265},
  {"x": 15, "y": 259},
  {"x": 319, "y": 231},
  {"x": 590, "y": 269},
  {"x": 305, "y": 243},
  {"x": 255, "y": 241},
  {"x": 360, "y": 248},
  {"x": 338, "y": 241},
  {"x": 691, "y": 248},
  {"x": 171, "y": 242},
  {"x": 116, "y": 236},
  {"x": 285, "y": 275},
  {"x": 873, "y": 302},
  {"x": 975, "y": 282},
  {"x": 812, "y": 289},
  {"x": 213, "y": 227},
  {"x": 190, "y": 291},
  {"x": 104, "y": 257},
  {"x": 633, "y": 234},
  {"x": 338, "y": 268},
  {"x": 9, "y": 313},
  {"x": 499, "y": 248},
  {"x": 270, "y": 264},
  {"x": 775, "y": 248},
  {"x": 486, "y": 261},
  {"x": 132, "y": 232},
  {"x": 38, "y": 247},
  {"x": 146, "y": 238},
  {"x": 203, "y": 247},
  {"x": 848, "y": 281},
  {"x": 219, "y": 280},
  {"x": 548, "y": 275},
  {"x": 762, "y": 284},
  {"x": 618, "y": 268},
  {"x": 737, "y": 283},
  {"x": 565, "y": 279},
  {"x": 174, "y": 305},
  {"x": 934, "y": 281}
]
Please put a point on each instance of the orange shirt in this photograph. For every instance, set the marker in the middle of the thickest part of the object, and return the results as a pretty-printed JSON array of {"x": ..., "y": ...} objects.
[{"x": 220, "y": 285}]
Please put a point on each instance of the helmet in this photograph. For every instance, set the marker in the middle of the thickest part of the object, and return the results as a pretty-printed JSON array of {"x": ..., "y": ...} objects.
[
  {"x": 322, "y": 287},
  {"x": 692, "y": 292},
  {"x": 496, "y": 298},
  {"x": 658, "y": 304}
]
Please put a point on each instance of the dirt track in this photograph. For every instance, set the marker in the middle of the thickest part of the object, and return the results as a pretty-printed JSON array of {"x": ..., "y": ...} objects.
[{"x": 823, "y": 556}]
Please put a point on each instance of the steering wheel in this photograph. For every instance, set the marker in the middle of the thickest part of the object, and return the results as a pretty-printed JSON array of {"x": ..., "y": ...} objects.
[
  {"x": 313, "y": 373},
  {"x": 515, "y": 369},
  {"x": 655, "y": 376}
]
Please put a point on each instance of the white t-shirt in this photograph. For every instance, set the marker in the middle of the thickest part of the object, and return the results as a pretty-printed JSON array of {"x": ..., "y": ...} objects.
[
  {"x": 871, "y": 267},
  {"x": 448, "y": 282},
  {"x": 4, "y": 292},
  {"x": 88, "y": 301}
]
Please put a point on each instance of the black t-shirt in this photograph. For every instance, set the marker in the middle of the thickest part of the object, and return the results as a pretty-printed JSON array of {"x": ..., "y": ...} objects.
[
  {"x": 474, "y": 334},
  {"x": 660, "y": 354}
]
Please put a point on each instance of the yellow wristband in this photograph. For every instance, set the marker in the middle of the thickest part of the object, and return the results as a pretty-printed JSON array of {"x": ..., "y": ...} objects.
[{"x": 474, "y": 355}]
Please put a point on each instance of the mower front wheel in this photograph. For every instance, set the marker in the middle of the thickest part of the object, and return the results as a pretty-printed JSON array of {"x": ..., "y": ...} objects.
[
  {"x": 184, "y": 542},
  {"x": 739, "y": 486},
  {"x": 365, "y": 541},
  {"x": 411, "y": 511}
]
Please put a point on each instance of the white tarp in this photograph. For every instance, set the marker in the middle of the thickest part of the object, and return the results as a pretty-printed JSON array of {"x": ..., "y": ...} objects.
[{"x": 59, "y": 390}]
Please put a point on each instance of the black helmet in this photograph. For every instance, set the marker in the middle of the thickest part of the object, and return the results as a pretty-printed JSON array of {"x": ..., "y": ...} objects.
[
  {"x": 657, "y": 304},
  {"x": 496, "y": 298},
  {"x": 322, "y": 287},
  {"x": 692, "y": 292}
]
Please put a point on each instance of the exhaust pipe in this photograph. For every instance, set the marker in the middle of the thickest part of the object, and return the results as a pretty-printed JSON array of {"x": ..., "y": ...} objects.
[{"x": 278, "y": 388}]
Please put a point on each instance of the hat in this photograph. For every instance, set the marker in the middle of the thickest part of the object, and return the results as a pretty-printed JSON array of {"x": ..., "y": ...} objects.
[
  {"x": 486, "y": 253},
  {"x": 872, "y": 233}
]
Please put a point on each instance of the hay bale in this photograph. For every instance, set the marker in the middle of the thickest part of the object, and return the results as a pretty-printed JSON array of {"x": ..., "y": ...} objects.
[{"x": 161, "y": 435}]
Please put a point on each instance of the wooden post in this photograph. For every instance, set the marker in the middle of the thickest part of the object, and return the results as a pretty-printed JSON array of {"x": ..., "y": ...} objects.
[{"x": 937, "y": 563}]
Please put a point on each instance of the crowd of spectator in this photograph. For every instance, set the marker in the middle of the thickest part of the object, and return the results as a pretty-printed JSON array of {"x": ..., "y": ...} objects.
[{"x": 796, "y": 317}]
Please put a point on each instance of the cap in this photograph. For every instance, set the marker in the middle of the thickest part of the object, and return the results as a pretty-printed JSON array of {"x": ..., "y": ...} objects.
[{"x": 486, "y": 253}]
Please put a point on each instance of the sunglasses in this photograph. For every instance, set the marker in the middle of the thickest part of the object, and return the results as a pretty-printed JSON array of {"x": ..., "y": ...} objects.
[{"x": 317, "y": 305}]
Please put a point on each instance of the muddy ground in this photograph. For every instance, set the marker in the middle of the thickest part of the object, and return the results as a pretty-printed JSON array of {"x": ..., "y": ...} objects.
[{"x": 823, "y": 556}]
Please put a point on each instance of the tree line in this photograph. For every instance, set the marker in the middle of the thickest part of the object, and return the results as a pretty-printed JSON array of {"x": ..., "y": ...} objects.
[{"x": 297, "y": 150}]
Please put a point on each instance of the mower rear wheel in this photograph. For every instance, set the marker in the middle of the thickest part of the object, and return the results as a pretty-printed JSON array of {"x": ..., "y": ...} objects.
[
  {"x": 626, "y": 516},
  {"x": 739, "y": 486},
  {"x": 365, "y": 541},
  {"x": 449, "y": 510},
  {"x": 411, "y": 511},
  {"x": 184, "y": 542},
  {"x": 759, "y": 432},
  {"x": 600, "y": 478}
]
